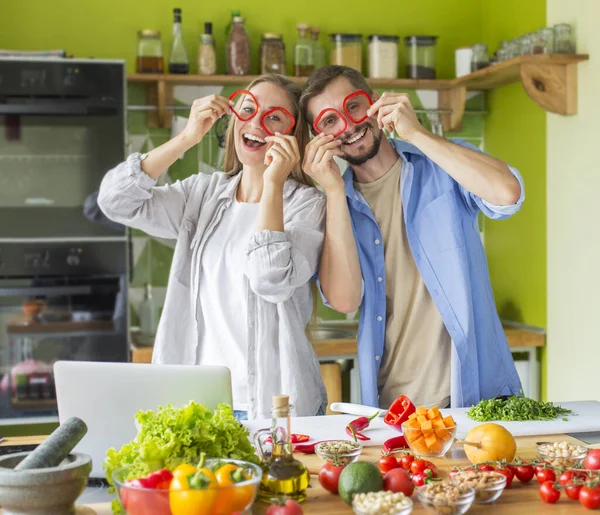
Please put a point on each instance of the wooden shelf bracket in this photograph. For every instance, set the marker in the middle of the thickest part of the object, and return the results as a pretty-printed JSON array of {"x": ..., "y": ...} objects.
[{"x": 552, "y": 86}]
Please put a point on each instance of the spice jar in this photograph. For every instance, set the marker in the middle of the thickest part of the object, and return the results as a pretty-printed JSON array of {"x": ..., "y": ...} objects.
[
  {"x": 346, "y": 50},
  {"x": 546, "y": 40},
  {"x": 238, "y": 49},
  {"x": 480, "y": 58},
  {"x": 272, "y": 54},
  {"x": 207, "y": 56},
  {"x": 318, "y": 49},
  {"x": 420, "y": 56},
  {"x": 563, "y": 39},
  {"x": 526, "y": 44},
  {"x": 383, "y": 57},
  {"x": 149, "y": 52},
  {"x": 303, "y": 52}
]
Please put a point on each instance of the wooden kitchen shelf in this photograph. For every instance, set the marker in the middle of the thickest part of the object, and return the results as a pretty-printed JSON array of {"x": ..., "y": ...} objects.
[{"x": 550, "y": 80}]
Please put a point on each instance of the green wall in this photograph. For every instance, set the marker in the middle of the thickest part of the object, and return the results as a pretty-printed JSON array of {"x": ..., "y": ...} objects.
[
  {"x": 107, "y": 28},
  {"x": 515, "y": 130}
]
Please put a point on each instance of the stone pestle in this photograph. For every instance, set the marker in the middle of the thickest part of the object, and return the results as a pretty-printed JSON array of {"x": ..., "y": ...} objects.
[{"x": 56, "y": 447}]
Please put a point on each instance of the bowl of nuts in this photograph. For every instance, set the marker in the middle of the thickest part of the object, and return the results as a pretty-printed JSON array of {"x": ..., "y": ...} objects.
[
  {"x": 339, "y": 452},
  {"x": 382, "y": 503},
  {"x": 446, "y": 498},
  {"x": 562, "y": 454},
  {"x": 488, "y": 486}
]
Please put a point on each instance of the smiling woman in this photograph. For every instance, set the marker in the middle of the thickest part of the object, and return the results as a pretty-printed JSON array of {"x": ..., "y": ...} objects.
[{"x": 248, "y": 244}]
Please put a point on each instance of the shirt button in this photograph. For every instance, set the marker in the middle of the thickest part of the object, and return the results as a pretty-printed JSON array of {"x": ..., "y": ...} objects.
[
  {"x": 379, "y": 279},
  {"x": 377, "y": 242},
  {"x": 376, "y": 358},
  {"x": 379, "y": 319}
]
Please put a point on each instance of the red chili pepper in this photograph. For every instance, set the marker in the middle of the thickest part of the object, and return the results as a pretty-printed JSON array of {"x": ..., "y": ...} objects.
[
  {"x": 355, "y": 427},
  {"x": 399, "y": 412},
  {"x": 397, "y": 442},
  {"x": 295, "y": 438},
  {"x": 308, "y": 448}
]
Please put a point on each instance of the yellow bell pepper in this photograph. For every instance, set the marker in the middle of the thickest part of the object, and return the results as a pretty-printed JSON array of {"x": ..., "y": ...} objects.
[
  {"x": 193, "y": 490},
  {"x": 232, "y": 498}
]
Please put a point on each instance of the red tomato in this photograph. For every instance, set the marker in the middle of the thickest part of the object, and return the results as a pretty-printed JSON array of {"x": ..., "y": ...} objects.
[
  {"x": 548, "y": 493},
  {"x": 329, "y": 476},
  {"x": 418, "y": 466},
  {"x": 524, "y": 472},
  {"x": 573, "y": 492},
  {"x": 592, "y": 460},
  {"x": 431, "y": 466},
  {"x": 397, "y": 480},
  {"x": 419, "y": 478},
  {"x": 590, "y": 497},
  {"x": 290, "y": 507},
  {"x": 406, "y": 461},
  {"x": 387, "y": 462},
  {"x": 545, "y": 475},
  {"x": 509, "y": 475},
  {"x": 569, "y": 475},
  {"x": 485, "y": 468}
]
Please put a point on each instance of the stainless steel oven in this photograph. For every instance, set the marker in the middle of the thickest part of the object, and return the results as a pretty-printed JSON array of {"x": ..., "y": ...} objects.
[{"x": 63, "y": 271}]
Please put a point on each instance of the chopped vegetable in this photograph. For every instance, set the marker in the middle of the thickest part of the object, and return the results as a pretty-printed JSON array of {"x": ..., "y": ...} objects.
[
  {"x": 427, "y": 432},
  {"x": 399, "y": 412},
  {"x": 515, "y": 408},
  {"x": 170, "y": 436}
]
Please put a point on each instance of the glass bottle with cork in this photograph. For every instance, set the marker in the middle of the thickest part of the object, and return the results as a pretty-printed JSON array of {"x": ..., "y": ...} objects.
[
  {"x": 284, "y": 476},
  {"x": 303, "y": 52},
  {"x": 178, "y": 60},
  {"x": 238, "y": 49},
  {"x": 207, "y": 56},
  {"x": 318, "y": 48}
]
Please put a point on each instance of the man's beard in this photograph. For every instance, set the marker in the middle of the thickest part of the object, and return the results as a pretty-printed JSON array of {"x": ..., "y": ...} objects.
[{"x": 357, "y": 160}]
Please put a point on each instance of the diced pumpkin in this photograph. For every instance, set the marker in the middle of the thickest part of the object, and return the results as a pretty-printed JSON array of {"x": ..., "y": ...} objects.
[
  {"x": 437, "y": 446},
  {"x": 422, "y": 419},
  {"x": 431, "y": 439},
  {"x": 412, "y": 415},
  {"x": 433, "y": 413},
  {"x": 421, "y": 411},
  {"x": 413, "y": 423},
  {"x": 438, "y": 423},
  {"x": 427, "y": 428},
  {"x": 444, "y": 434},
  {"x": 420, "y": 446},
  {"x": 413, "y": 435},
  {"x": 449, "y": 421}
]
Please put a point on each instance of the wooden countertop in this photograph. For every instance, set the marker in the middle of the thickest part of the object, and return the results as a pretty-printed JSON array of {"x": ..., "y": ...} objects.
[{"x": 518, "y": 500}]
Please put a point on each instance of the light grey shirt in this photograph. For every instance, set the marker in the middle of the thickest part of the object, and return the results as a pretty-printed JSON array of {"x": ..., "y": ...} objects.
[{"x": 278, "y": 269}]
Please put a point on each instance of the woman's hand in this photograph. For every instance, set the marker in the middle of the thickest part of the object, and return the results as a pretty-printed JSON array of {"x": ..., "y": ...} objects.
[
  {"x": 319, "y": 164},
  {"x": 203, "y": 115},
  {"x": 281, "y": 158}
]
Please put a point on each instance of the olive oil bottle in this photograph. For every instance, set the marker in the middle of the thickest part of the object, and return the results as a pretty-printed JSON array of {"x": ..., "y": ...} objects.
[{"x": 284, "y": 477}]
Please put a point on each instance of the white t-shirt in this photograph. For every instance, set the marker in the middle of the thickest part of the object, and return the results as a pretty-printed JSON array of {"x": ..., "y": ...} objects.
[{"x": 223, "y": 302}]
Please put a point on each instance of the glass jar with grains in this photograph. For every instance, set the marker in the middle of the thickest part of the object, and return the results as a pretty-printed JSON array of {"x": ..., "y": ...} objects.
[
  {"x": 272, "y": 54},
  {"x": 149, "y": 52},
  {"x": 383, "y": 57},
  {"x": 207, "y": 56},
  {"x": 346, "y": 50},
  {"x": 238, "y": 49}
]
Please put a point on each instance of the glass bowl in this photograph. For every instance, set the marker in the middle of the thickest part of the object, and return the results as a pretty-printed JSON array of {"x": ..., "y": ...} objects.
[
  {"x": 488, "y": 493},
  {"x": 431, "y": 445},
  {"x": 342, "y": 452},
  {"x": 457, "y": 507},
  {"x": 406, "y": 510},
  {"x": 217, "y": 501},
  {"x": 575, "y": 459}
]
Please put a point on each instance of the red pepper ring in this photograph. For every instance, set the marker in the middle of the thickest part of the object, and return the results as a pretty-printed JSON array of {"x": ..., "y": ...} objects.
[
  {"x": 350, "y": 97},
  {"x": 399, "y": 412},
  {"x": 322, "y": 113},
  {"x": 270, "y": 111},
  {"x": 243, "y": 92}
]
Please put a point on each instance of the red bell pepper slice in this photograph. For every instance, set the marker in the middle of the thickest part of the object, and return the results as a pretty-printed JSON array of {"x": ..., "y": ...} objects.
[
  {"x": 399, "y": 412},
  {"x": 139, "y": 499},
  {"x": 295, "y": 438}
]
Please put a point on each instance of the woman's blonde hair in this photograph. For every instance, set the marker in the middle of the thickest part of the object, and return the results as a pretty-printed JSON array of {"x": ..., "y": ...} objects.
[{"x": 232, "y": 165}]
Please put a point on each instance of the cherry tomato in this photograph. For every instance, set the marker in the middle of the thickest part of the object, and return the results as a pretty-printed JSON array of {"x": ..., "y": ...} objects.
[
  {"x": 592, "y": 460},
  {"x": 329, "y": 476},
  {"x": 548, "y": 493},
  {"x": 545, "y": 475},
  {"x": 569, "y": 475},
  {"x": 406, "y": 461},
  {"x": 485, "y": 468},
  {"x": 590, "y": 497},
  {"x": 509, "y": 475},
  {"x": 419, "y": 478},
  {"x": 524, "y": 472},
  {"x": 387, "y": 462},
  {"x": 431, "y": 466},
  {"x": 397, "y": 480},
  {"x": 573, "y": 492},
  {"x": 418, "y": 466}
]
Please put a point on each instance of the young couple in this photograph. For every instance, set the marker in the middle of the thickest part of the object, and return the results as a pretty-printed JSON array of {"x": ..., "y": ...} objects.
[{"x": 396, "y": 235}]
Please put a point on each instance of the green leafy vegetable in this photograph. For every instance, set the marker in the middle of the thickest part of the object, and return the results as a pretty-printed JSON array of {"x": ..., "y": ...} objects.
[
  {"x": 515, "y": 409},
  {"x": 171, "y": 436}
]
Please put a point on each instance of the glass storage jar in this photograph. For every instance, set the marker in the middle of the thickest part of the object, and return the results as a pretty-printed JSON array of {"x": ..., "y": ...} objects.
[
  {"x": 149, "y": 52},
  {"x": 383, "y": 57},
  {"x": 272, "y": 54},
  {"x": 563, "y": 39},
  {"x": 238, "y": 49},
  {"x": 480, "y": 58},
  {"x": 346, "y": 50},
  {"x": 207, "y": 55},
  {"x": 420, "y": 56},
  {"x": 304, "y": 63},
  {"x": 546, "y": 40}
]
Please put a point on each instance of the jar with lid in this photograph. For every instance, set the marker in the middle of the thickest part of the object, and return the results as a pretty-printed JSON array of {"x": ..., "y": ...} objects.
[
  {"x": 546, "y": 40},
  {"x": 480, "y": 58},
  {"x": 420, "y": 56},
  {"x": 272, "y": 54},
  {"x": 346, "y": 50},
  {"x": 149, "y": 52},
  {"x": 318, "y": 49},
  {"x": 207, "y": 56},
  {"x": 526, "y": 44},
  {"x": 304, "y": 63},
  {"x": 383, "y": 57},
  {"x": 238, "y": 49},
  {"x": 563, "y": 39}
]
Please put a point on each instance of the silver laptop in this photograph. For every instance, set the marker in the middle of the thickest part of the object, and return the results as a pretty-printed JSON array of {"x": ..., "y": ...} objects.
[{"x": 106, "y": 396}]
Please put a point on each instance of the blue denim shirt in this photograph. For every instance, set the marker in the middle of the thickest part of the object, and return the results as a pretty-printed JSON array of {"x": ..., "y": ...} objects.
[{"x": 441, "y": 225}]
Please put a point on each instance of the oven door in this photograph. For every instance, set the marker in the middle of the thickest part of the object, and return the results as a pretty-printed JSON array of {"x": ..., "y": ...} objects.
[{"x": 50, "y": 319}]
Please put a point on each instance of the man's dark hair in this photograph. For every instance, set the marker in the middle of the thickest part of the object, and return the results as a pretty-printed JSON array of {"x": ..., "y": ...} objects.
[{"x": 320, "y": 79}]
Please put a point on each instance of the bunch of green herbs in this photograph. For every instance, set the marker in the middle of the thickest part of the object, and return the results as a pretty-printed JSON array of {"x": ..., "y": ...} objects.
[{"x": 515, "y": 408}]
